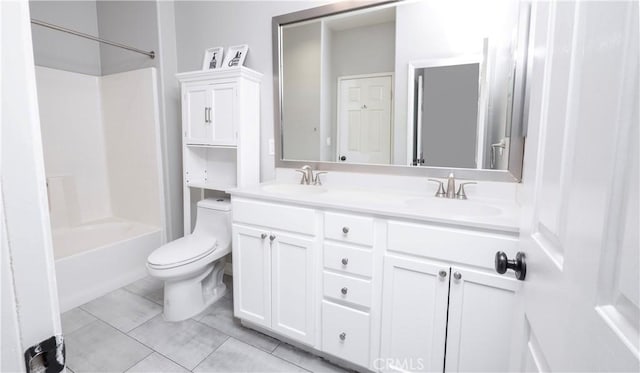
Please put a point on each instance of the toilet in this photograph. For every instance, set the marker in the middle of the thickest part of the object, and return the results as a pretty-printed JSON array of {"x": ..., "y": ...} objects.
[{"x": 192, "y": 266}]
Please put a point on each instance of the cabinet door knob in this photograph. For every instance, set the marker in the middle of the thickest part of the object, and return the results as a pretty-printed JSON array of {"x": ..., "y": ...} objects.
[
  {"x": 442, "y": 273},
  {"x": 263, "y": 236},
  {"x": 345, "y": 230},
  {"x": 345, "y": 261},
  {"x": 343, "y": 336},
  {"x": 344, "y": 291},
  {"x": 272, "y": 237},
  {"x": 457, "y": 275}
]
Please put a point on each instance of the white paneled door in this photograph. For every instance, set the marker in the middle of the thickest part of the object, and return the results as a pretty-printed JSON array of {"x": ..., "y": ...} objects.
[
  {"x": 364, "y": 119},
  {"x": 580, "y": 190}
]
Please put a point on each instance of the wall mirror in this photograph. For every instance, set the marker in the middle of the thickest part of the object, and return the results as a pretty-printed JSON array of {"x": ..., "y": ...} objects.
[{"x": 420, "y": 87}]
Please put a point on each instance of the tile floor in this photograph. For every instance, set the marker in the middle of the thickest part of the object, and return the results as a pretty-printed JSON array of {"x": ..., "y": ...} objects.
[{"x": 124, "y": 331}]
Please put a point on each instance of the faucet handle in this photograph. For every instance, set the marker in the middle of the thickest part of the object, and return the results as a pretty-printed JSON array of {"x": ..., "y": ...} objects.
[
  {"x": 303, "y": 180},
  {"x": 316, "y": 179},
  {"x": 461, "y": 194},
  {"x": 440, "y": 192}
]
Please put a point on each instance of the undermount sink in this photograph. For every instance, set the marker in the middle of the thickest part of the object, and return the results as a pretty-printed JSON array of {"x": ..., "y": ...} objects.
[
  {"x": 294, "y": 189},
  {"x": 453, "y": 207}
]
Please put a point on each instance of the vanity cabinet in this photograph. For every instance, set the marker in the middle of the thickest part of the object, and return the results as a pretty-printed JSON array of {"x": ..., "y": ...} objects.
[
  {"x": 379, "y": 293},
  {"x": 274, "y": 269},
  {"x": 414, "y": 315}
]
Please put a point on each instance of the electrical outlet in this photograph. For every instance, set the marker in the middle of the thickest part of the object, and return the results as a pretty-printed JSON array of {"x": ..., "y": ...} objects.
[{"x": 272, "y": 147}]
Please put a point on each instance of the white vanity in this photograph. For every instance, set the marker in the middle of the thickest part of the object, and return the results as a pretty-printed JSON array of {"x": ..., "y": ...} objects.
[{"x": 378, "y": 279}]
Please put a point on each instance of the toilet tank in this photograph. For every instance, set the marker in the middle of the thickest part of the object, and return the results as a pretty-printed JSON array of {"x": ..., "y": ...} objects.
[{"x": 214, "y": 218}]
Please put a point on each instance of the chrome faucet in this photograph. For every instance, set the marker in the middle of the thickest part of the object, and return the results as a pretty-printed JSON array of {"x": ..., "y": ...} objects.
[
  {"x": 451, "y": 188},
  {"x": 308, "y": 177}
]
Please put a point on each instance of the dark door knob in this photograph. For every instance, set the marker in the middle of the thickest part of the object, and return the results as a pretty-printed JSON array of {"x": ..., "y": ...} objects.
[
  {"x": 343, "y": 158},
  {"x": 519, "y": 265}
]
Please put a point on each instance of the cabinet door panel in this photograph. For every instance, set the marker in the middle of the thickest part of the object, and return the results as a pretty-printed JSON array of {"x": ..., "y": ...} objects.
[
  {"x": 252, "y": 275},
  {"x": 481, "y": 326},
  {"x": 292, "y": 286},
  {"x": 223, "y": 97},
  {"x": 414, "y": 315},
  {"x": 198, "y": 131}
]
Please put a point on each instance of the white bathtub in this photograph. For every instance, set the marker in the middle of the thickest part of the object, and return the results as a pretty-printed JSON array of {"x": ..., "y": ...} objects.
[{"x": 94, "y": 259}]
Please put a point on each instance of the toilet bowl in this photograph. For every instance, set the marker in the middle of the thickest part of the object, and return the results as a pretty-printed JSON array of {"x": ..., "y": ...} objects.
[{"x": 192, "y": 266}]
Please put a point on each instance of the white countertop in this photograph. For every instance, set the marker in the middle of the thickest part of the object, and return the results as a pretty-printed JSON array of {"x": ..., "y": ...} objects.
[{"x": 481, "y": 213}]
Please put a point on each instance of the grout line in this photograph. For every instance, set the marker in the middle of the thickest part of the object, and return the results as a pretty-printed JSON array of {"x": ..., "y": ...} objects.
[{"x": 136, "y": 363}]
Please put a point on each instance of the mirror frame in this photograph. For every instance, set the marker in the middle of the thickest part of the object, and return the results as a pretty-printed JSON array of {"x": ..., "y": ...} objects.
[{"x": 519, "y": 114}]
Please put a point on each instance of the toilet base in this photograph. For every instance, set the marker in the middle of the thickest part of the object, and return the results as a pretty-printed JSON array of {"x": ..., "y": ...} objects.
[{"x": 188, "y": 297}]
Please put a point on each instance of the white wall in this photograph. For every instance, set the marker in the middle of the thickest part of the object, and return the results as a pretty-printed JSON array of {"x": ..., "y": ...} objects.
[
  {"x": 206, "y": 24},
  {"x": 132, "y": 136},
  {"x": 73, "y": 142}
]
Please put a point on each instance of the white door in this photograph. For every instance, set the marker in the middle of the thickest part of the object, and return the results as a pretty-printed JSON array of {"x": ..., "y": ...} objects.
[
  {"x": 292, "y": 287},
  {"x": 30, "y": 311},
  {"x": 252, "y": 275},
  {"x": 364, "y": 120},
  {"x": 481, "y": 321},
  {"x": 414, "y": 315},
  {"x": 580, "y": 190}
]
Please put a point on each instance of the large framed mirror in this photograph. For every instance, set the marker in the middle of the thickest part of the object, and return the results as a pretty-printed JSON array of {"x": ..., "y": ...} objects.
[{"x": 423, "y": 87}]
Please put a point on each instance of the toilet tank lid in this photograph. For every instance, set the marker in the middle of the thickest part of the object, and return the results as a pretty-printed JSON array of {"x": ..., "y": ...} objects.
[{"x": 220, "y": 204}]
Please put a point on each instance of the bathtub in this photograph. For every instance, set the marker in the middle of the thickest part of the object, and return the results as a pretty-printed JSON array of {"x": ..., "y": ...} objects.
[{"x": 94, "y": 259}]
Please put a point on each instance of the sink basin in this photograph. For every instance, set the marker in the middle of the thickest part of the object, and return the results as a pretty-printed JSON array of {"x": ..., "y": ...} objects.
[
  {"x": 453, "y": 207},
  {"x": 294, "y": 189}
]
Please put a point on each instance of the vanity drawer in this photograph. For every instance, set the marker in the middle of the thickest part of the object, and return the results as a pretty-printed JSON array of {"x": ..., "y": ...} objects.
[
  {"x": 345, "y": 333},
  {"x": 358, "y": 261},
  {"x": 348, "y": 228},
  {"x": 347, "y": 288},
  {"x": 450, "y": 244},
  {"x": 281, "y": 217}
]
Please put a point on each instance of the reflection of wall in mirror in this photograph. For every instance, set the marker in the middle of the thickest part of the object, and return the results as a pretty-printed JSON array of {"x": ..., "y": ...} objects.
[
  {"x": 301, "y": 64},
  {"x": 461, "y": 28}
]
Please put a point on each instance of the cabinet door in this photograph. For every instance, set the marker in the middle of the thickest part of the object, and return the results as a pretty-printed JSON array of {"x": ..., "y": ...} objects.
[
  {"x": 196, "y": 103},
  {"x": 481, "y": 326},
  {"x": 222, "y": 101},
  {"x": 252, "y": 275},
  {"x": 292, "y": 287},
  {"x": 414, "y": 315}
]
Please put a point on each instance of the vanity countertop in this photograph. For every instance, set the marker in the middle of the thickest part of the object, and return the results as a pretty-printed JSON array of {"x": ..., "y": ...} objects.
[{"x": 491, "y": 214}]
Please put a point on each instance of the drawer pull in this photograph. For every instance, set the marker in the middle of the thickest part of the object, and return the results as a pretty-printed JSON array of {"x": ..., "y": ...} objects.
[
  {"x": 343, "y": 336},
  {"x": 443, "y": 273},
  {"x": 344, "y": 290},
  {"x": 457, "y": 275},
  {"x": 272, "y": 237},
  {"x": 345, "y": 261},
  {"x": 345, "y": 230},
  {"x": 263, "y": 236}
]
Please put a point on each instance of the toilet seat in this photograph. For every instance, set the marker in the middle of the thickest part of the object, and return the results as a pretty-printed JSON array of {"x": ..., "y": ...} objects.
[{"x": 182, "y": 251}]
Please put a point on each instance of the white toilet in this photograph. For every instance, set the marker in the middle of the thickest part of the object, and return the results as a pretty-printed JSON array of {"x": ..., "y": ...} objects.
[{"x": 192, "y": 267}]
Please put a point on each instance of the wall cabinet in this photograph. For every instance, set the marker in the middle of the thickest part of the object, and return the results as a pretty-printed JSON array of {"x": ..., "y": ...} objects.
[
  {"x": 210, "y": 114},
  {"x": 221, "y": 132},
  {"x": 387, "y": 295}
]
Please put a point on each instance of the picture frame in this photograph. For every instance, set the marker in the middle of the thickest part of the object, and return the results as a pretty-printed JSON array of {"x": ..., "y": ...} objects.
[
  {"x": 235, "y": 56},
  {"x": 213, "y": 58}
]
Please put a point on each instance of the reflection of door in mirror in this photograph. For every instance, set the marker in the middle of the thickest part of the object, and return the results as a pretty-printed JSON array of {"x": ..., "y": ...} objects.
[
  {"x": 447, "y": 113},
  {"x": 364, "y": 119}
]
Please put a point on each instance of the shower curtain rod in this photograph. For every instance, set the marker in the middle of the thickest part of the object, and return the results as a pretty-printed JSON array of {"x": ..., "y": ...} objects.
[{"x": 151, "y": 54}]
